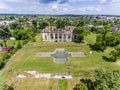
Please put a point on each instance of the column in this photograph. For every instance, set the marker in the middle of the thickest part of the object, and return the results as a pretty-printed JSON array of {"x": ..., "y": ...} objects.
[
  {"x": 66, "y": 37},
  {"x": 43, "y": 36},
  {"x": 53, "y": 36},
  {"x": 49, "y": 38}
]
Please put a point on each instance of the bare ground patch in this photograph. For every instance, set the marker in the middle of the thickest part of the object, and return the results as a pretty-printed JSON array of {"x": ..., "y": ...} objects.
[
  {"x": 44, "y": 54},
  {"x": 117, "y": 63}
]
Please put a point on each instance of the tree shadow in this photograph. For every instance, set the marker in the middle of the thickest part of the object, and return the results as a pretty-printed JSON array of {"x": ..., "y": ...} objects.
[
  {"x": 95, "y": 48},
  {"x": 108, "y": 59},
  {"x": 88, "y": 82},
  {"x": 10, "y": 88},
  {"x": 92, "y": 47},
  {"x": 78, "y": 42}
]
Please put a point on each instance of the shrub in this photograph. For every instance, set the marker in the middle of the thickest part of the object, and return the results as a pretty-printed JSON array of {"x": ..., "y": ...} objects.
[{"x": 80, "y": 86}]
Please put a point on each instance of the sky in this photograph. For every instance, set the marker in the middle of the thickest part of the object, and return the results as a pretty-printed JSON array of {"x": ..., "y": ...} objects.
[{"x": 55, "y": 7}]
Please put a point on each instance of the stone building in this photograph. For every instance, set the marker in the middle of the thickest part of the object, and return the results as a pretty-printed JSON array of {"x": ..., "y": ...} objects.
[{"x": 52, "y": 34}]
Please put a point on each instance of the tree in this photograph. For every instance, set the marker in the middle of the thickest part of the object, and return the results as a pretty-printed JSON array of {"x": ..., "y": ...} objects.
[
  {"x": 14, "y": 25},
  {"x": 80, "y": 86},
  {"x": 4, "y": 34},
  {"x": 60, "y": 23},
  {"x": 108, "y": 80},
  {"x": 100, "y": 43},
  {"x": 43, "y": 24},
  {"x": 101, "y": 38},
  {"x": 80, "y": 32},
  {"x": 25, "y": 34},
  {"x": 34, "y": 23},
  {"x": 115, "y": 53},
  {"x": 19, "y": 46}
]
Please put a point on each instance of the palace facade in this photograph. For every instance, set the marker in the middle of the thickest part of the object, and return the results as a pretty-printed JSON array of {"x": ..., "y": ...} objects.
[{"x": 52, "y": 34}]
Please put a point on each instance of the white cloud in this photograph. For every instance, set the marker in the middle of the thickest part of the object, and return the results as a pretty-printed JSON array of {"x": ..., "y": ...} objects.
[
  {"x": 54, "y": 7},
  {"x": 115, "y": 1},
  {"x": 109, "y": 1},
  {"x": 58, "y": 8},
  {"x": 13, "y": 0},
  {"x": 4, "y": 6},
  {"x": 21, "y": 1},
  {"x": 79, "y": 0},
  {"x": 71, "y": 7},
  {"x": 91, "y": 9},
  {"x": 103, "y": 1}
]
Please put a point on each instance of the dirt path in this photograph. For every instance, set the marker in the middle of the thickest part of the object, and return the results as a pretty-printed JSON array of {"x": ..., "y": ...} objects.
[
  {"x": 117, "y": 63},
  {"x": 12, "y": 59}
]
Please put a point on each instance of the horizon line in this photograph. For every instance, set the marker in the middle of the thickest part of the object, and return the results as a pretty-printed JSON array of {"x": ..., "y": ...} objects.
[{"x": 59, "y": 14}]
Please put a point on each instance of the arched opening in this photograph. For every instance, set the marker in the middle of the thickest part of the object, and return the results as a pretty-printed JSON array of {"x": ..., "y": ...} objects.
[
  {"x": 51, "y": 35},
  {"x": 45, "y": 37}
]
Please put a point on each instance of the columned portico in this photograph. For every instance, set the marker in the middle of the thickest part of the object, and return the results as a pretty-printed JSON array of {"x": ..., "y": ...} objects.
[{"x": 58, "y": 35}]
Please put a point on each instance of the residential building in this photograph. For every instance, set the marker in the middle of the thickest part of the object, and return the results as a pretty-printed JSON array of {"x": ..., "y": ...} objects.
[{"x": 115, "y": 28}]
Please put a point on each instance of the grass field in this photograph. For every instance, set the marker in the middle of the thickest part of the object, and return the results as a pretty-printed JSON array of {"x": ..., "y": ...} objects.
[
  {"x": 63, "y": 84},
  {"x": 25, "y": 59}
]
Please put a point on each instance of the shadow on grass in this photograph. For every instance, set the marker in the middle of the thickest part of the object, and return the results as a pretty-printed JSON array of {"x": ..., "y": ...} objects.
[
  {"x": 77, "y": 42},
  {"x": 108, "y": 59},
  {"x": 92, "y": 47},
  {"x": 10, "y": 88},
  {"x": 88, "y": 82}
]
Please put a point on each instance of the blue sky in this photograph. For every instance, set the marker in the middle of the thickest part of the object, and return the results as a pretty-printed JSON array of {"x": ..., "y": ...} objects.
[{"x": 111, "y": 7}]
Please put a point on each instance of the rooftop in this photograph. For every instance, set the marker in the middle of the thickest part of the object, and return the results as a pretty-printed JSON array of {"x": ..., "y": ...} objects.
[
  {"x": 115, "y": 28},
  {"x": 53, "y": 29}
]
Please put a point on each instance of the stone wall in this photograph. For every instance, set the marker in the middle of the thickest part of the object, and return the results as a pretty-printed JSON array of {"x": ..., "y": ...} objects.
[{"x": 57, "y": 37}]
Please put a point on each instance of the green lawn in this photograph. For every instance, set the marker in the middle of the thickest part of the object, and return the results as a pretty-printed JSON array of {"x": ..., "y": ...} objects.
[
  {"x": 25, "y": 59},
  {"x": 63, "y": 84},
  {"x": 91, "y": 38}
]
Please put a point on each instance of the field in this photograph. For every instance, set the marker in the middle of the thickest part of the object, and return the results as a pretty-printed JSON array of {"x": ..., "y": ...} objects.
[{"x": 25, "y": 59}]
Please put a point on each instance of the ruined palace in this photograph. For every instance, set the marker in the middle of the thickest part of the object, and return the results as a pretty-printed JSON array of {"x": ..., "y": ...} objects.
[{"x": 53, "y": 34}]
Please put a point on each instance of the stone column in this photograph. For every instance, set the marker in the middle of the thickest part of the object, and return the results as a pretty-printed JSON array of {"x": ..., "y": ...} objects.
[
  {"x": 49, "y": 38},
  {"x": 54, "y": 37},
  {"x": 43, "y": 36},
  {"x": 66, "y": 37}
]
